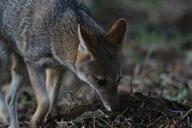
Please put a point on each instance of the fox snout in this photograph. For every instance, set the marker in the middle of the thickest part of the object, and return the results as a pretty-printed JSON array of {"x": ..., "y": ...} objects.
[{"x": 109, "y": 99}]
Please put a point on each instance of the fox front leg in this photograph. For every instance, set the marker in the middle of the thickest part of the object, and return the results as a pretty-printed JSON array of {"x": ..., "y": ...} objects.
[
  {"x": 4, "y": 112},
  {"x": 37, "y": 77},
  {"x": 18, "y": 73},
  {"x": 4, "y": 60},
  {"x": 53, "y": 83}
]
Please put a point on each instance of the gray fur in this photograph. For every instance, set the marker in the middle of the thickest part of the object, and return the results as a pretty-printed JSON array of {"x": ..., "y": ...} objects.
[
  {"x": 28, "y": 27},
  {"x": 40, "y": 31},
  {"x": 42, "y": 34}
]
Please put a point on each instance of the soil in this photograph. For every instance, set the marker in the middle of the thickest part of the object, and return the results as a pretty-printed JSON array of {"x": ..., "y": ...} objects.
[{"x": 136, "y": 111}]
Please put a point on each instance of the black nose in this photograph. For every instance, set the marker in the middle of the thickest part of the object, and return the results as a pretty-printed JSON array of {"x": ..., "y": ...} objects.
[{"x": 102, "y": 82}]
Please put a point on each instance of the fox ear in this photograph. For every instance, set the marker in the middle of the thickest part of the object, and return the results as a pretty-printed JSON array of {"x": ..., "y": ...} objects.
[
  {"x": 117, "y": 33},
  {"x": 85, "y": 46}
]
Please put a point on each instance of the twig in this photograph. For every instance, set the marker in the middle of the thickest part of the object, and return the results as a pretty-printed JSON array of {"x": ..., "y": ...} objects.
[
  {"x": 94, "y": 122},
  {"x": 104, "y": 121},
  {"x": 120, "y": 115},
  {"x": 122, "y": 125},
  {"x": 186, "y": 114},
  {"x": 183, "y": 117},
  {"x": 131, "y": 86}
]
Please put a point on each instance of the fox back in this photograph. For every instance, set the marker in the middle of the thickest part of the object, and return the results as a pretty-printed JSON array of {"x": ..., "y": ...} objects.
[{"x": 63, "y": 33}]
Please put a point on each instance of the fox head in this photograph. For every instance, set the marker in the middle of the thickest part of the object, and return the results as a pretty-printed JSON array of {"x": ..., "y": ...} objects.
[{"x": 99, "y": 61}]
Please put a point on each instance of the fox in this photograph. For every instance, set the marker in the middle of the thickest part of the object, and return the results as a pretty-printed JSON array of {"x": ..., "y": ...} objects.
[{"x": 42, "y": 38}]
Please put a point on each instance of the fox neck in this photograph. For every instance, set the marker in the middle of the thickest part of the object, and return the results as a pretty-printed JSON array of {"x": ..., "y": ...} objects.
[{"x": 64, "y": 37}]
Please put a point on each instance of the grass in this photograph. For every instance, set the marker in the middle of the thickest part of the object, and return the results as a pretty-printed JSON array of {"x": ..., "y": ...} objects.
[
  {"x": 73, "y": 93},
  {"x": 176, "y": 91},
  {"x": 140, "y": 64},
  {"x": 151, "y": 41},
  {"x": 26, "y": 101}
]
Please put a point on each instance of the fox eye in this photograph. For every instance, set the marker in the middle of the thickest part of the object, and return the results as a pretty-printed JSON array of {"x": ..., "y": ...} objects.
[{"x": 101, "y": 81}]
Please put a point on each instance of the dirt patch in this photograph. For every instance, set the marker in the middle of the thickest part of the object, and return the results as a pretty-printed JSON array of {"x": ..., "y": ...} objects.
[{"x": 136, "y": 111}]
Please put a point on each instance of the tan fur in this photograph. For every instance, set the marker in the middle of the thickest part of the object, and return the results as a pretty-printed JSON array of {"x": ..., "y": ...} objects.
[
  {"x": 117, "y": 33},
  {"x": 66, "y": 47},
  {"x": 4, "y": 112},
  {"x": 41, "y": 94},
  {"x": 81, "y": 57},
  {"x": 53, "y": 83}
]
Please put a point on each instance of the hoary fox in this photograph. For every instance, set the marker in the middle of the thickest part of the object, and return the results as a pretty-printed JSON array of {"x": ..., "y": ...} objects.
[{"x": 45, "y": 36}]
